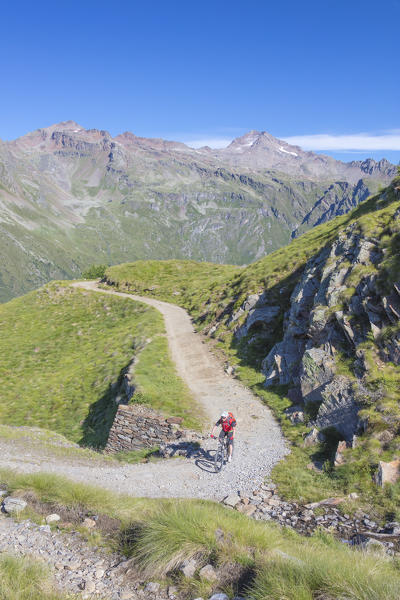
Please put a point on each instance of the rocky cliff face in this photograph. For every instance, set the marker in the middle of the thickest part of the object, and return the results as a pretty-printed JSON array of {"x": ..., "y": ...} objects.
[
  {"x": 337, "y": 347},
  {"x": 329, "y": 319},
  {"x": 70, "y": 197}
]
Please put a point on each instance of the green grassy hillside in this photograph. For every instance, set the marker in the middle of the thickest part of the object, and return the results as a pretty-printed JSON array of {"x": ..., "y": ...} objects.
[
  {"x": 63, "y": 352},
  {"x": 185, "y": 282},
  {"x": 207, "y": 290},
  {"x": 213, "y": 304}
]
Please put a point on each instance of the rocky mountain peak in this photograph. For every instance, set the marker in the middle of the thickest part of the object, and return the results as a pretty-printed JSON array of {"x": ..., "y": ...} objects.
[
  {"x": 371, "y": 166},
  {"x": 262, "y": 141},
  {"x": 68, "y": 125},
  {"x": 245, "y": 141},
  {"x": 63, "y": 126}
]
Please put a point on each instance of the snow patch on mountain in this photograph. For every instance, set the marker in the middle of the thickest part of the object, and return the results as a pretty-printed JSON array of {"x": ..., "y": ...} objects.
[{"x": 286, "y": 151}]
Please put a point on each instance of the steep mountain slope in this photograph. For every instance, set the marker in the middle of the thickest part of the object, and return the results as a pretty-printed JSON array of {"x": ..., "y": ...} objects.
[
  {"x": 314, "y": 328},
  {"x": 70, "y": 197}
]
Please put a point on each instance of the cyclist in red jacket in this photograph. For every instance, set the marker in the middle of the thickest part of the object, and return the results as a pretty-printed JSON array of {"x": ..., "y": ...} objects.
[{"x": 228, "y": 423}]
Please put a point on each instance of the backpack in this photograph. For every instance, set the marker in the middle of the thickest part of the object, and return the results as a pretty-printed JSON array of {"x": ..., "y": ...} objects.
[{"x": 227, "y": 425}]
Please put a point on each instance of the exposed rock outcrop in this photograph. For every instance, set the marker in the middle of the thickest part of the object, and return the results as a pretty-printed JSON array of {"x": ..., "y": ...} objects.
[
  {"x": 338, "y": 306},
  {"x": 388, "y": 472},
  {"x": 258, "y": 313}
]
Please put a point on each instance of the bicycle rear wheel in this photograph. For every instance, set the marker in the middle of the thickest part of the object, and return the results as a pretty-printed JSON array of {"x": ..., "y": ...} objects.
[{"x": 219, "y": 458}]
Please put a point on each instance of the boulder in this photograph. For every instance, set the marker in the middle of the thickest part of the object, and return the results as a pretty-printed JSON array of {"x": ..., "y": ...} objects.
[
  {"x": 251, "y": 301},
  {"x": 219, "y": 596},
  {"x": 232, "y": 500},
  {"x": 339, "y": 408},
  {"x": 392, "y": 348},
  {"x": 247, "y": 509},
  {"x": 311, "y": 437},
  {"x": 339, "y": 458},
  {"x": 295, "y": 414},
  {"x": 230, "y": 370},
  {"x": 317, "y": 369},
  {"x": 258, "y": 312},
  {"x": 393, "y": 527},
  {"x": 208, "y": 572},
  {"x": 188, "y": 567},
  {"x": 89, "y": 523},
  {"x": 90, "y": 586},
  {"x": 14, "y": 505},
  {"x": 327, "y": 502},
  {"x": 172, "y": 592},
  {"x": 153, "y": 587},
  {"x": 175, "y": 420},
  {"x": 53, "y": 518},
  {"x": 274, "y": 501},
  {"x": 344, "y": 322},
  {"x": 385, "y": 437},
  {"x": 99, "y": 573},
  {"x": 367, "y": 543},
  {"x": 388, "y": 472},
  {"x": 263, "y": 315},
  {"x": 353, "y": 496}
]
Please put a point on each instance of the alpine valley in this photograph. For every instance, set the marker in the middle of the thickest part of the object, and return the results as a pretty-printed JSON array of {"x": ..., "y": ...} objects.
[{"x": 71, "y": 197}]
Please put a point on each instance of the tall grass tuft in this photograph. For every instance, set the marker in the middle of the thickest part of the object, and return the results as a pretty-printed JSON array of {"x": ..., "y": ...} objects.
[{"x": 26, "y": 579}]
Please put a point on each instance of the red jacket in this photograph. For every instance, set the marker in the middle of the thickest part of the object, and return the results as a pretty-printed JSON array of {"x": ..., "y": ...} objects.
[{"x": 228, "y": 424}]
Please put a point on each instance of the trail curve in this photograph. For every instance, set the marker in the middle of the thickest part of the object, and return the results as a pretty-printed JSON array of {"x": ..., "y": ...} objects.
[{"x": 259, "y": 443}]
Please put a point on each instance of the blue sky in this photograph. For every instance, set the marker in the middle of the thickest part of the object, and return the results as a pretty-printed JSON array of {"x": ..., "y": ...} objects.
[{"x": 209, "y": 70}]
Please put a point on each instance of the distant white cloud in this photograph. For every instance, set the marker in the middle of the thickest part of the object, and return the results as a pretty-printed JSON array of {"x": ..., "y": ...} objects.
[
  {"x": 389, "y": 140},
  {"x": 212, "y": 142},
  {"x": 355, "y": 142}
]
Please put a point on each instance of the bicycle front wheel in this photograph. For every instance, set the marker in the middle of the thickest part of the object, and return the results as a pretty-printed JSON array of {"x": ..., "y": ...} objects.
[{"x": 219, "y": 458}]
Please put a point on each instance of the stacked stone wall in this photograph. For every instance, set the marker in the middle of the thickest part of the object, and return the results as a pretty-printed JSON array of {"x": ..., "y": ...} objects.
[{"x": 137, "y": 426}]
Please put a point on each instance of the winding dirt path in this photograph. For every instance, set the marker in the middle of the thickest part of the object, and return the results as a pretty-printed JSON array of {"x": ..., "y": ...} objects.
[{"x": 259, "y": 443}]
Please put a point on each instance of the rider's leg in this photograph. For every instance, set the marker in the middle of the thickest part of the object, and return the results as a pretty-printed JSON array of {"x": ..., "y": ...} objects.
[{"x": 230, "y": 447}]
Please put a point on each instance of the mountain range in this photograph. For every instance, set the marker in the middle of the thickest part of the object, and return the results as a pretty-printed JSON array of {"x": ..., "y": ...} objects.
[{"x": 70, "y": 197}]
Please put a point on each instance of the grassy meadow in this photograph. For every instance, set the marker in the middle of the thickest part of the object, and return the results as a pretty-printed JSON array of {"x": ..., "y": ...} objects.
[
  {"x": 184, "y": 282},
  {"x": 63, "y": 352}
]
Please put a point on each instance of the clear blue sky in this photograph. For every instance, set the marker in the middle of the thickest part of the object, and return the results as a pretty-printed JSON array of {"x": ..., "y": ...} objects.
[{"x": 206, "y": 70}]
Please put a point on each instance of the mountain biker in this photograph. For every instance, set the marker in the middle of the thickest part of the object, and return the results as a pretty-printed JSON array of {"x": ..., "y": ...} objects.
[{"x": 228, "y": 423}]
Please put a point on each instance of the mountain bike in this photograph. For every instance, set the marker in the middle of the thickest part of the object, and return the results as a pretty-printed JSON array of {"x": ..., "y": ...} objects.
[{"x": 221, "y": 454}]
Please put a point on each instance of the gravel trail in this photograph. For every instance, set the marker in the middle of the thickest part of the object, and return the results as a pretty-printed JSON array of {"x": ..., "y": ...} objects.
[{"x": 259, "y": 443}]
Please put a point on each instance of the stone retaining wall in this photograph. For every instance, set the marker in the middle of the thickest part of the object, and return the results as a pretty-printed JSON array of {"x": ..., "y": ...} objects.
[{"x": 137, "y": 426}]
